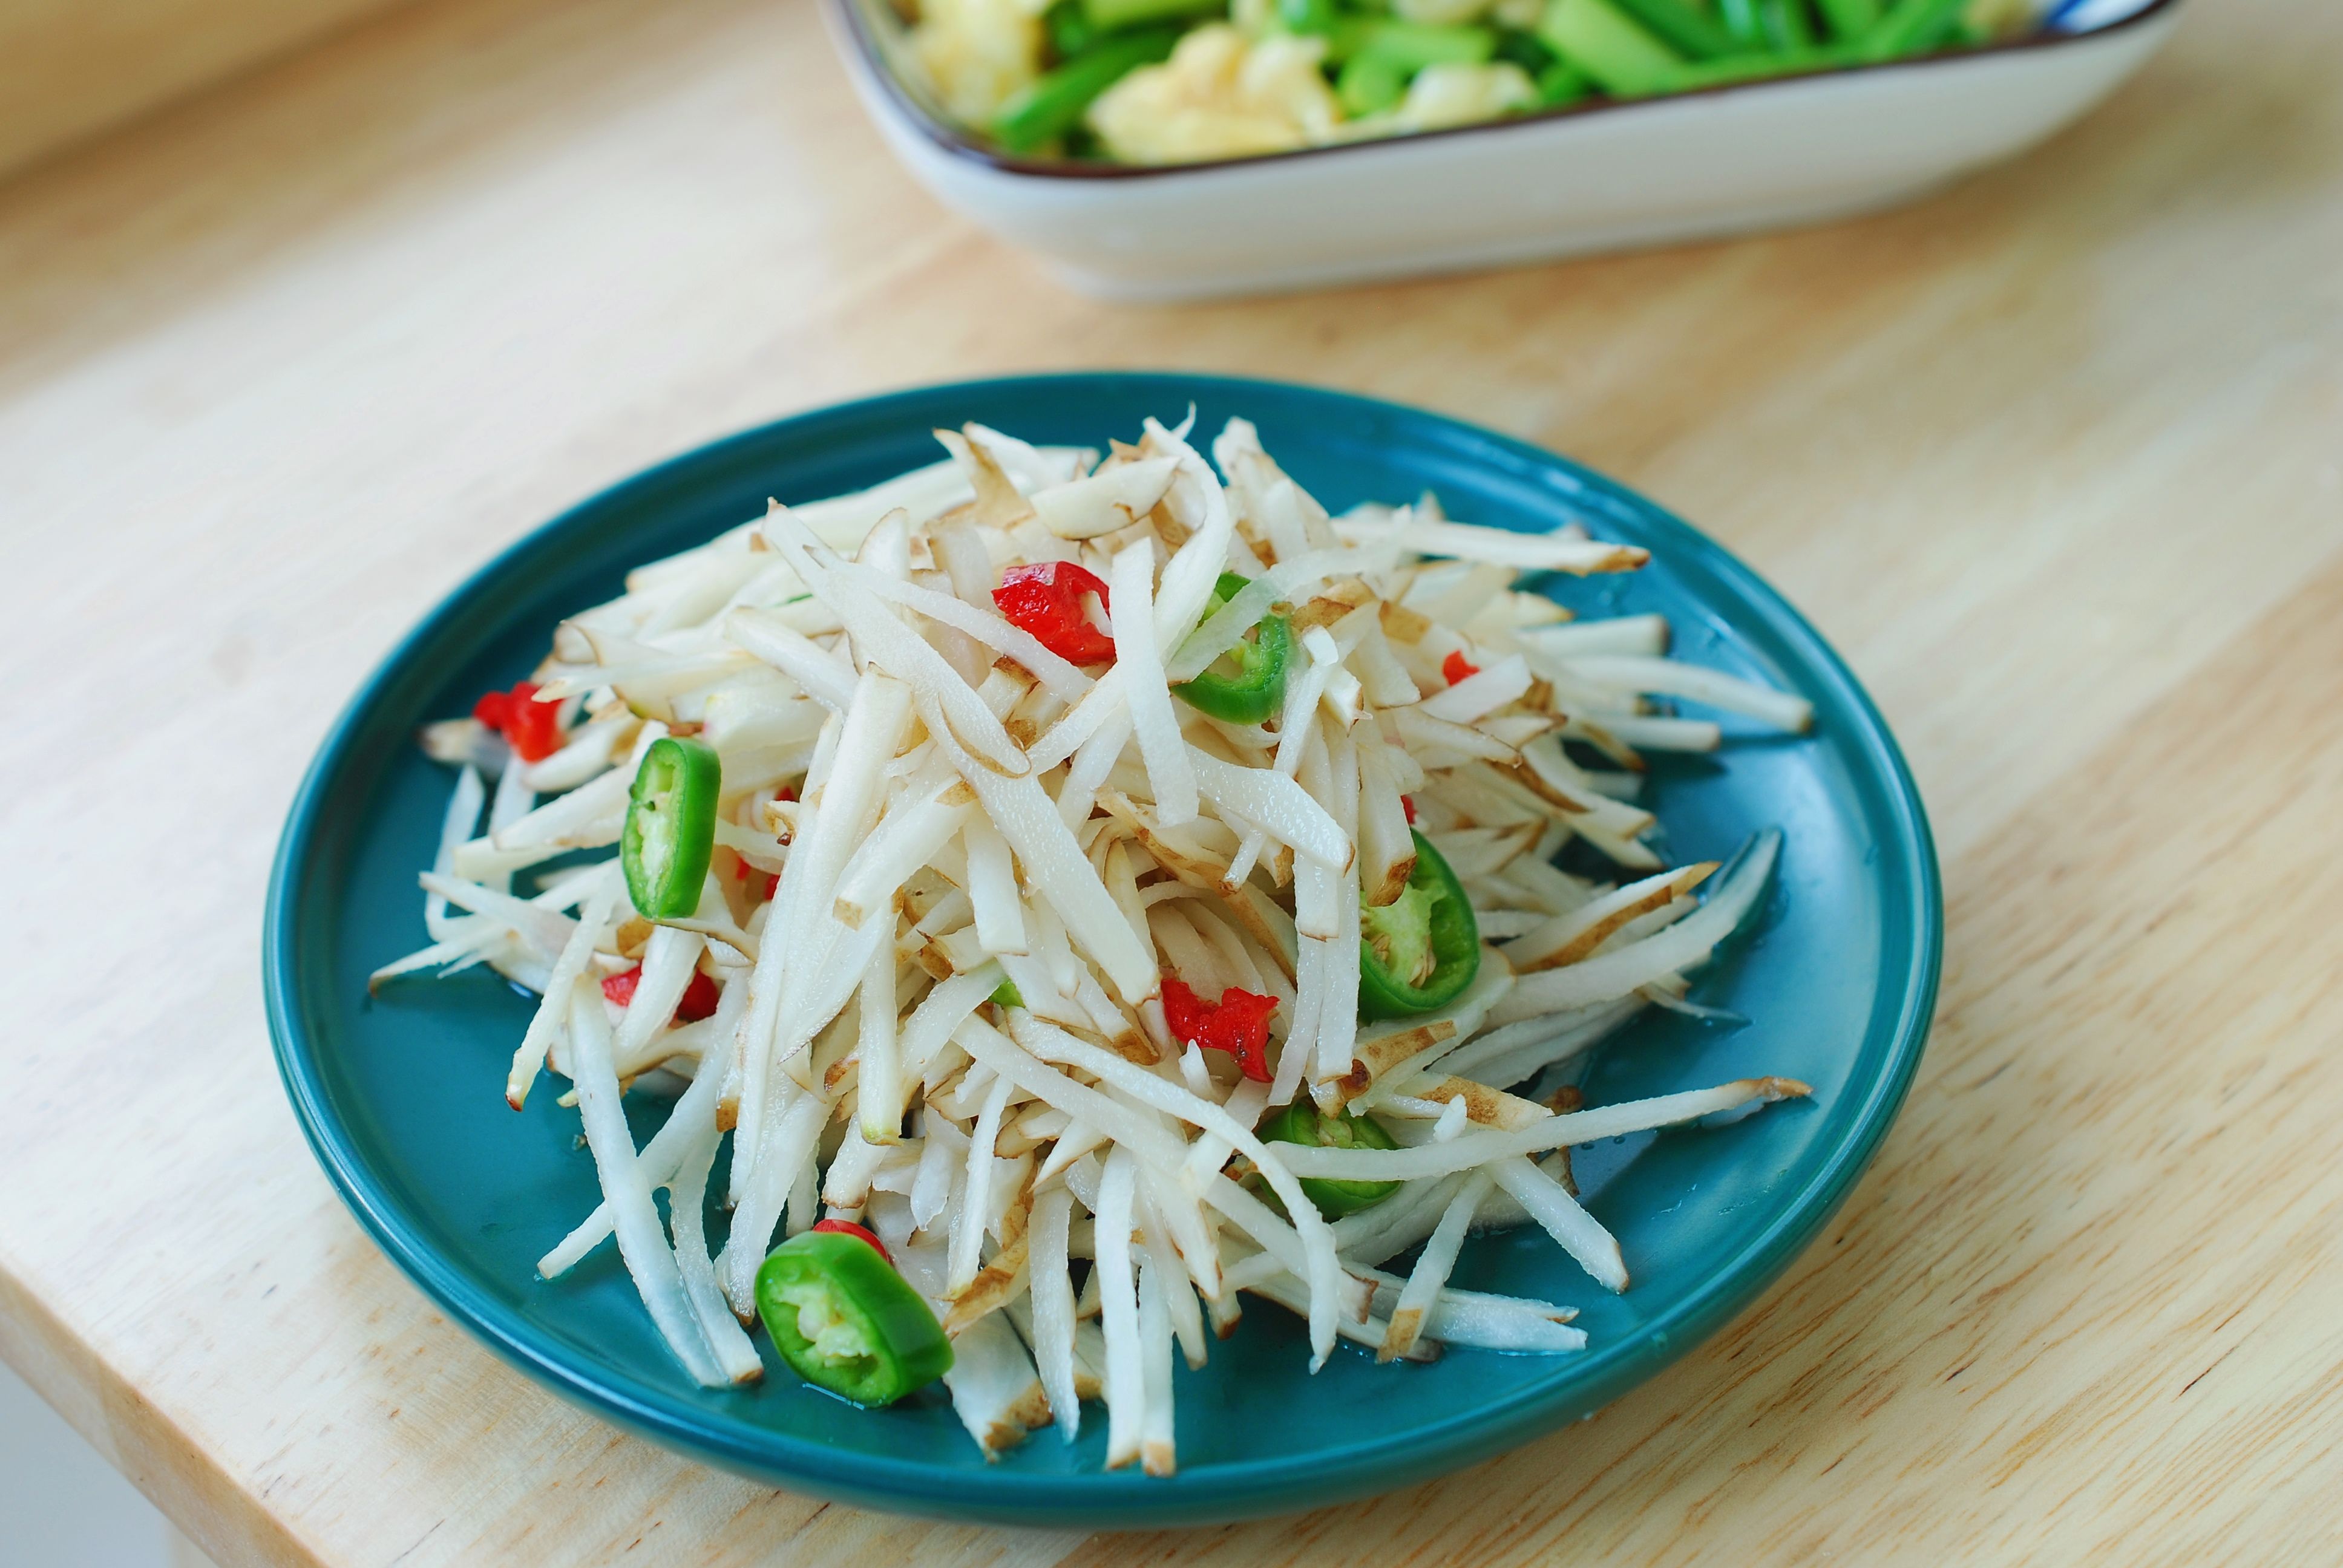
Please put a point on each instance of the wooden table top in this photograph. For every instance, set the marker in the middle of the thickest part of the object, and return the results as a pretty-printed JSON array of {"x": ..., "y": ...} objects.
[{"x": 2056, "y": 459}]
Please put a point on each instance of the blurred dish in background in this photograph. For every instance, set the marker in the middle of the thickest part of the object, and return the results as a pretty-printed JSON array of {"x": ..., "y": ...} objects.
[
  {"x": 1181, "y": 152},
  {"x": 1186, "y": 81}
]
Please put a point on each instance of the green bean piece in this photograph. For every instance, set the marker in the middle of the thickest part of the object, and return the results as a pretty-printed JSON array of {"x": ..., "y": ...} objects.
[
  {"x": 1688, "y": 31},
  {"x": 1787, "y": 25},
  {"x": 1307, "y": 16},
  {"x": 1368, "y": 85},
  {"x": 1115, "y": 15},
  {"x": 1563, "y": 83},
  {"x": 1052, "y": 104},
  {"x": 1910, "y": 27},
  {"x": 1741, "y": 19},
  {"x": 1625, "y": 60},
  {"x": 1410, "y": 46},
  {"x": 1849, "y": 19}
]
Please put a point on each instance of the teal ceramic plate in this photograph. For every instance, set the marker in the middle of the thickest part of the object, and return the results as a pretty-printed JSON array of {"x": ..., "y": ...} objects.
[{"x": 400, "y": 1096}]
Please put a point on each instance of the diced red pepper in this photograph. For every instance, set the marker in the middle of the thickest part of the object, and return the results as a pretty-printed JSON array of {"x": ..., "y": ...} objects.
[
  {"x": 1238, "y": 1023},
  {"x": 699, "y": 1000},
  {"x": 1407, "y": 804},
  {"x": 698, "y": 997},
  {"x": 760, "y": 883},
  {"x": 849, "y": 1228},
  {"x": 1046, "y": 599},
  {"x": 1456, "y": 668},
  {"x": 533, "y": 727}
]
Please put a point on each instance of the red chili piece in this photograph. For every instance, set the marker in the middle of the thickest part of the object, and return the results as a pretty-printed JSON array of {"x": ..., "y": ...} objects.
[
  {"x": 699, "y": 1000},
  {"x": 1238, "y": 1023},
  {"x": 698, "y": 997},
  {"x": 1407, "y": 804},
  {"x": 1457, "y": 668},
  {"x": 1046, "y": 599},
  {"x": 760, "y": 883},
  {"x": 849, "y": 1228},
  {"x": 533, "y": 727}
]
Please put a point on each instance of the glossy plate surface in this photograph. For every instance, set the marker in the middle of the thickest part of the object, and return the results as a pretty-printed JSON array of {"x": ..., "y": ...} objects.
[{"x": 400, "y": 1097}]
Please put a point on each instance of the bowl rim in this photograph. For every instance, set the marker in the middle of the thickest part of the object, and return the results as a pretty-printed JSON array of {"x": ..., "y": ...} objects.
[
  {"x": 851, "y": 24},
  {"x": 1275, "y": 1483}
]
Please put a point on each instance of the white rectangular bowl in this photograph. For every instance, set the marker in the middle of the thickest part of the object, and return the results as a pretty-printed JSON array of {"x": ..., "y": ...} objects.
[{"x": 1598, "y": 176}]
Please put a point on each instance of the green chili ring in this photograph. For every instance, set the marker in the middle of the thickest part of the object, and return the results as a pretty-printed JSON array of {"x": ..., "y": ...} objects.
[
  {"x": 1300, "y": 1123},
  {"x": 1257, "y": 690},
  {"x": 1431, "y": 919},
  {"x": 873, "y": 1340},
  {"x": 671, "y": 829}
]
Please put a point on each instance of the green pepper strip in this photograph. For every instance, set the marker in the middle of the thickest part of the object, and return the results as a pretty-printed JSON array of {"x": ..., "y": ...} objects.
[
  {"x": 1369, "y": 85},
  {"x": 1741, "y": 19},
  {"x": 1306, "y": 16},
  {"x": 1687, "y": 30},
  {"x": 845, "y": 1321},
  {"x": 1052, "y": 104},
  {"x": 1410, "y": 46},
  {"x": 670, "y": 828},
  {"x": 1419, "y": 951},
  {"x": 1113, "y": 15},
  {"x": 1257, "y": 690},
  {"x": 1755, "y": 68},
  {"x": 1911, "y": 26},
  {"x": 1609, "y": 45},
  {"x": 1787, "y": 24},
  {"x": 1300, "y": 1123},
  {"x": 1563, "y": 83},
  {"x": 1850, "y": 19}
]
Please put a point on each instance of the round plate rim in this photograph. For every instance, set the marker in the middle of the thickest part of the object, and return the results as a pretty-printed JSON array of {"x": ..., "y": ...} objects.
[{"x": 1121, "y": 1499}]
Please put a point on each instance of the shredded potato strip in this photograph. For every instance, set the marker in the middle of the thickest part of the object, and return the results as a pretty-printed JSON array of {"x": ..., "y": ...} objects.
[
  {"x": 641, "y": 1241},
  {"x": 921, "y": 800}
]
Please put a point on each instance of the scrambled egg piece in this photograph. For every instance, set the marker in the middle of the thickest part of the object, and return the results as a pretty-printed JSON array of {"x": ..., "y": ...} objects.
[
  {"x": 1220, "y": 97},
  {"x": 977, "y": 53},
  {"x": 1459, "y": 94}
]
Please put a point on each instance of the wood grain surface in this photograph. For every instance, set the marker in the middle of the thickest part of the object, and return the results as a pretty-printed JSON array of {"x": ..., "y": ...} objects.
[
  {"x": 68, "y": 67},
  {"x": 2057, "y": 459}
]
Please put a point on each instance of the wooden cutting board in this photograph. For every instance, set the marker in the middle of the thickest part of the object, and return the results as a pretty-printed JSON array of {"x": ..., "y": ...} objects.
[{"x": 2056, "y": 459}]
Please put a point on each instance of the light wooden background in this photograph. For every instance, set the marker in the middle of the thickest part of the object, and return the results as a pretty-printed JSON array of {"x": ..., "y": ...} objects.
[
  {"x": 69, "y": 67},
  {"x": 2056, "y": 459}
]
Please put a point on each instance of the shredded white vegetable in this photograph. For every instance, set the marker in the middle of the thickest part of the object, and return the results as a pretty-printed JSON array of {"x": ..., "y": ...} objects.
[{"x": 1044, "y": 970}]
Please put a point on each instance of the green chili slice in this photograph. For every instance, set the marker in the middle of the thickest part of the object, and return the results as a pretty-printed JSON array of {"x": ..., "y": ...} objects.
[
  {"x": 670, "y": 828},
  {"x": 1255, "y": 686},
  {"x": 1419, "y": 951},
  {"x": 845, "y": 1321},
  {"x": 1300, "y": 1122}
]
